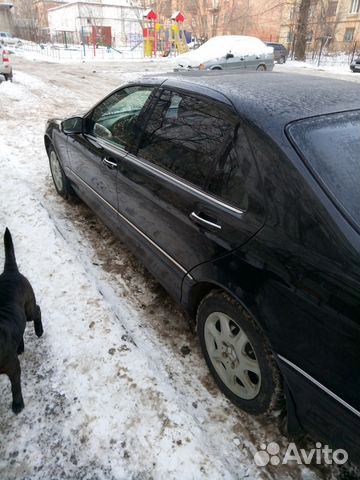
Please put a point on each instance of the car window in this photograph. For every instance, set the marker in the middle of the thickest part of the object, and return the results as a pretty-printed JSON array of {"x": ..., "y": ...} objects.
[
  {"x": 115, "y": 119},
  {"x": 185, "y": 134},
  {"x": 234, "y": 171},
  {"x": 330, "y": 145}
]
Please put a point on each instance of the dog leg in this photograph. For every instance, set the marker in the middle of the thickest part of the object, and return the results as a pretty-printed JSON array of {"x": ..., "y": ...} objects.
[
  {"x": 37, "y": 322},
  {"x": 14, "y": 373},
  {"x": 21, "y": 347}
]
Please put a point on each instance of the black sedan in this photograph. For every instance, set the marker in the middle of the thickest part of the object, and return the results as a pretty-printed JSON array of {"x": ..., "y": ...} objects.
[{"x": 240, "y": 193}]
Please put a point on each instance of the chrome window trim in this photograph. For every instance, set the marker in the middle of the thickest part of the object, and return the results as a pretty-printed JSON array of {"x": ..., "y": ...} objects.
[
  {"x": 321, "y": 386},
  {"x": 135, "y": 227},
  {"x": 180, "y": 182}
]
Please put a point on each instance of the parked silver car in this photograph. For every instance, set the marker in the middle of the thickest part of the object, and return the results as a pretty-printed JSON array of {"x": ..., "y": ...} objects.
[
  {"x": 228, "y": 52},
  {"x": 5, "y": 65}
]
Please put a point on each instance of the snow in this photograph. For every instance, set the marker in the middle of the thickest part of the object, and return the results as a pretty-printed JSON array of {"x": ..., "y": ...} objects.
[
  {"x": 109, "y": 393},
  {"x": 330, "y": 67}
]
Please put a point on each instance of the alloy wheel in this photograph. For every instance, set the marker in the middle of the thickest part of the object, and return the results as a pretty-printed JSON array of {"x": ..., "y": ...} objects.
[{"x": 232, "y": 355}]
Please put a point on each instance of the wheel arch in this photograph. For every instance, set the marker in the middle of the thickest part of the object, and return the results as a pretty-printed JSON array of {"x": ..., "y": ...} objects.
[
  {"x": 201, "y": 289},
  {"x": 262, "y": 65}
]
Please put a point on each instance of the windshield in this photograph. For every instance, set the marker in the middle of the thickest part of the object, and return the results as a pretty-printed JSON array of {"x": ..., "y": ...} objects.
[{"x": 330, "y": 144}]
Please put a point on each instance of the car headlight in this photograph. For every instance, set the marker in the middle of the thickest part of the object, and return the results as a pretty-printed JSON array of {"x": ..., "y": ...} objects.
[{"x": 201, "y": 66}]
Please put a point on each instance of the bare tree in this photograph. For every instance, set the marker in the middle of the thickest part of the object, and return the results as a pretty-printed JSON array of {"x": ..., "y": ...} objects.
[
  {"x": 27, "y": 20},
  {"x": 302, "y": 29}
]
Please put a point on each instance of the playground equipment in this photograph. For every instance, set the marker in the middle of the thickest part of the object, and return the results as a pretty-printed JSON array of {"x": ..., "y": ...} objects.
[
  {"x": 178, "y": 33},
  {"x": 164, "y": 39}
]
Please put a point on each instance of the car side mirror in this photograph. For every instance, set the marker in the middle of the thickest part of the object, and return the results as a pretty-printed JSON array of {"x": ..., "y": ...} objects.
[
  {"x": 73, "y": 125},
  {"x": 229, "y": 55}
]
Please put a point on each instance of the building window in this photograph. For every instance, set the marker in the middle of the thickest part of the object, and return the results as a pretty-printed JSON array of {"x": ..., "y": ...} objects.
[
  {"x": 309, "y": 36},
  {"x": 331, "y": 11},
  {"x": 293, "y": 13},
  {"x": 290, "y": 37},
  {"x": 349, "y": 35},
  {"x": 355, "y": 6}
]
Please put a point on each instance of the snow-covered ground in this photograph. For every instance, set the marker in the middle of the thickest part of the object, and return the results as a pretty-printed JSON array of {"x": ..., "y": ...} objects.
[
  {"x": 333, "y": 68},
  {"x": 116, "y": 388}
]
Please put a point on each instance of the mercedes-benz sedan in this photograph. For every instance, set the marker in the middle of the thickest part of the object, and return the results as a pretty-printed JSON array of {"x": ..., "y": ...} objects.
[{"x": 240, "y": 193}]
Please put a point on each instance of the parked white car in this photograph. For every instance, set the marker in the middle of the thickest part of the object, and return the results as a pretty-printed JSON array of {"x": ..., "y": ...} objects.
[
  {"x": 7, "y": 39},
  {"x": 228, "y": 52}
]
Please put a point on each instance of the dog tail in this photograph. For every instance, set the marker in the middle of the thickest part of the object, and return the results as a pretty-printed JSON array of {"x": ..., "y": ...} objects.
[{"x": 10, "y": 260}]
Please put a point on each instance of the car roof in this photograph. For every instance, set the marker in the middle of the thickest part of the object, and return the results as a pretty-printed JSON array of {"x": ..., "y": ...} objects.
[{"x": 271, "y": 100}]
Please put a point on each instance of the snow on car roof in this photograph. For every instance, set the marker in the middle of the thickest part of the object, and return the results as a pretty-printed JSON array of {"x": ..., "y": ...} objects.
[{"x": 221, "y": 45}]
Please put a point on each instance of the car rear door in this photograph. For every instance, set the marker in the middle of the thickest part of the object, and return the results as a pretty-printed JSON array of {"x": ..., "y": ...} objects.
[{"x": 169, "y": 189}]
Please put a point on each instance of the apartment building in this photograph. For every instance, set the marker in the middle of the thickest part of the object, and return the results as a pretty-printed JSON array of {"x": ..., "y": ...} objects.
[
  {"x": 335, "y": 24},
  {"x": 6, "y": 24}
]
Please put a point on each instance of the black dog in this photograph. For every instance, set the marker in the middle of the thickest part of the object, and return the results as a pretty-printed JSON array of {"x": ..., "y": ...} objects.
[{"x": 17, "y": 305}]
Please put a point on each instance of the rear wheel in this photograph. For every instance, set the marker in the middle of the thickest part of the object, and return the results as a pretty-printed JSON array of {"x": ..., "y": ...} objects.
[
  {"x": 60, "y": 180},
  {"x": 261, "y": 68},
  {"x": 282, "y": 60},
  {"x": 238, "y": 355}
]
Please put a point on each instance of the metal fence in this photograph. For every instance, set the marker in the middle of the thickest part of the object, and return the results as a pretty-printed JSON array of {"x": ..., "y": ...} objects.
[
  {"x": 325, "y": 51},
  {"x": 332, "y": 53},
  {"x": 58, "y": 51}
]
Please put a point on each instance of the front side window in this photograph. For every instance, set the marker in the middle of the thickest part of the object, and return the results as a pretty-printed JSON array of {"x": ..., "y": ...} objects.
[
  {"x": 185, "y": 135},
  {"x": 116, "y": 118}
]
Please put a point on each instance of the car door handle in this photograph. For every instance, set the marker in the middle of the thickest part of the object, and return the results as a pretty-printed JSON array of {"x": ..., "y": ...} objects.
[
  {"x": 202, "y": 221},
  {"x": 109, "y": 162}
]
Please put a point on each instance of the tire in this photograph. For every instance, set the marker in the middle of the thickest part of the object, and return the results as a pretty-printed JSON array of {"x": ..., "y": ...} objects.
[
  {"x": 216, "y": 68},
  {"x": 281, "y": 60},
  {"x": 261, "y": 68},
  {"x": 230, "y": 340},
  {"x": 61, "y": 182}
]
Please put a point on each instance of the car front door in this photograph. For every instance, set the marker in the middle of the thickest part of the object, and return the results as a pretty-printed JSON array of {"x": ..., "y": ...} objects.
[
  {"x": 234, "y": 60},
  {"x": 169, "y": 188},
  {"x": 94, "y": 156}
]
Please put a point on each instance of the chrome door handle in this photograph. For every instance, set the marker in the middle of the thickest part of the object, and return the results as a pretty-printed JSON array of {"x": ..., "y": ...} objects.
[
  {"x": 197, "y": 219},
  {"x": 109, "y": 163}
]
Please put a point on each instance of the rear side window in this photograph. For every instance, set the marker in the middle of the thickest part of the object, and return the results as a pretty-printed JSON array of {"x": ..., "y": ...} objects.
[
  {"x": 186, "y": 135},
  {"x": 234, "y": 172},
  {"x": 330, "y": 146}
]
